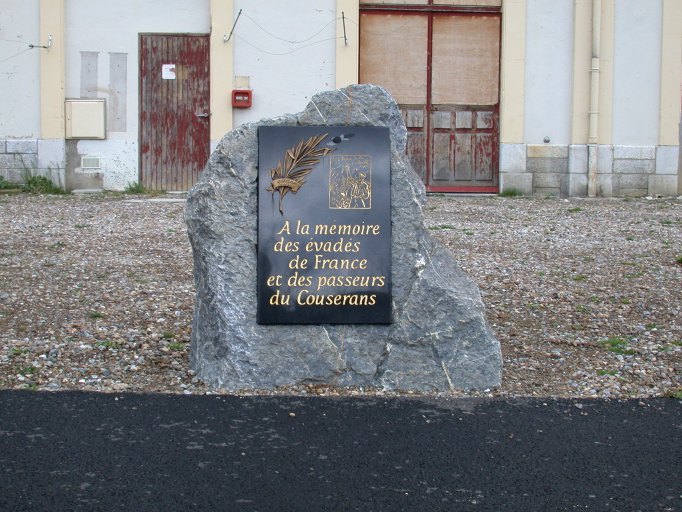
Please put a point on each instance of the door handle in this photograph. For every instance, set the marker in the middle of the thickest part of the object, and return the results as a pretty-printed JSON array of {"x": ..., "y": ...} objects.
[{"x": 205, "y": 114}]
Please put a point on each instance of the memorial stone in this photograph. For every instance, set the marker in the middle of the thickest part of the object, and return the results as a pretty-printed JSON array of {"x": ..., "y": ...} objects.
[{"x": 429, "y": 332}]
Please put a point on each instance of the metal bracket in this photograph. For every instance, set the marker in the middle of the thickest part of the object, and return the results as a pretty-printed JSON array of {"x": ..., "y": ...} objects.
[
  {"x": 48, "y": 45},
  {"x": 226, "y": 39},
  {"x": 343, "y": 18}
]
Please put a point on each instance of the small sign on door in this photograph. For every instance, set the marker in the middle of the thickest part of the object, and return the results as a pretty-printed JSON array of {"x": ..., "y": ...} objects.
[{"x": 168, "y": 71}]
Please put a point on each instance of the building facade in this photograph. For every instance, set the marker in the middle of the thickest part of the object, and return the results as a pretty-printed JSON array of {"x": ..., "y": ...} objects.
[{"x": 561, "y": 97}]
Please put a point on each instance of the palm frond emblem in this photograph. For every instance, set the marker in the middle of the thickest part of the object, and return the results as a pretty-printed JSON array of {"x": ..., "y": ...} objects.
[{"x": 298, "y": 162}]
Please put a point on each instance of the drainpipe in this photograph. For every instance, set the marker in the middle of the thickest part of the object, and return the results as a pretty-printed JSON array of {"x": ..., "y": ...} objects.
[{"x": 592, "y": 140}]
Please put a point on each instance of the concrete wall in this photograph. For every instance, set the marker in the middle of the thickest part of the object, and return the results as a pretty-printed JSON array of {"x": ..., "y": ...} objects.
[
  {"x": 102, "y": 62},
  {"x": 284, "y": 63},
  {"x": 634, "y": 165},
  {"x": 637, "y": 71},
  {"x": 19, "y": 69},
  {"x": 19, "y": 87},
  {"x": 285, "y": 51},
  {"x": 549, "y": 58},
  {"x": 636, "y": 151}
]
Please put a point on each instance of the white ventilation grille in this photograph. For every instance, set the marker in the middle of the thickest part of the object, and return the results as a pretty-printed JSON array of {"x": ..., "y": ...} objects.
[{"x": 90, "y": 162}]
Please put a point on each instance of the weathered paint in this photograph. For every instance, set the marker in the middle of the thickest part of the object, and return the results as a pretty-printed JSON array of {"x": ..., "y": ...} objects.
[
  {"x": 119, "y": 161},
  {"x": 174, "y": 110},
  {"x": 118, "y": 92},
  {"x": 446, "y": 81},
  {"x": 89, "y": 74},
  {"x": 111, "y": 30},
  {"x": 465, "y": 150}
]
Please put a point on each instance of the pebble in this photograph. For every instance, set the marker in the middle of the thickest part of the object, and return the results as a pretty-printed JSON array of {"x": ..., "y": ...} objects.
[{"x": 559, "y": 279}]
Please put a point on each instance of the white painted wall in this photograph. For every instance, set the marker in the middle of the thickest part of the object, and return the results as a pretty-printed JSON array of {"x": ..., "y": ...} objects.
[
  {"x": 549, "y": 64},
  {"x": 636, "y": 72},
  {"x": 288, "y": 51},
  {"x": 113, "y": 27},
  {"x": 19, "y": 69}
]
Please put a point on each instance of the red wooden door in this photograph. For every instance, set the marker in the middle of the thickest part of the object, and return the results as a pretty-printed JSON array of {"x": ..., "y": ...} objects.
[
  {"x": 444, "y": 74},
  {"x": 174, "y": 110}
]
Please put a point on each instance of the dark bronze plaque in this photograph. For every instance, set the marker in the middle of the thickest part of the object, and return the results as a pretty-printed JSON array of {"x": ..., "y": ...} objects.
[{"x": 324, "y": 225}]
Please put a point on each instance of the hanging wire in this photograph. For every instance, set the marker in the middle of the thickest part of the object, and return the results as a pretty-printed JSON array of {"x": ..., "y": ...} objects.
[
  {"x": 16, "y": 54},
  {"x": 404, "y": 27},
  {"x": 233, "y": 26},
  {"x": 12, "y": 40},
  {"x": 284, "y": 53},
  {"x": 30, "y": 45},
  {"x": 285, "y": 40},
  {"x": 288, "y": 40}
]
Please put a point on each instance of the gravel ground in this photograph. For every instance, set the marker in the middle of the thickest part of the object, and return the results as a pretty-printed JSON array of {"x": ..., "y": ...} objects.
[{"x": 585, "y": 296}]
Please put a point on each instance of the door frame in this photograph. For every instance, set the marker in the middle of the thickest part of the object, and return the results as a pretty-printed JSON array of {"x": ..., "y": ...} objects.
[
  {"x": 140, "y": 103},
  {"x": 430, "y": 11}
]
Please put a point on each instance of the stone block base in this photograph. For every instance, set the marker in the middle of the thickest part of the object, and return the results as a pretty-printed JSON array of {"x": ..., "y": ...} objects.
[{"x": 562, "y": 171}]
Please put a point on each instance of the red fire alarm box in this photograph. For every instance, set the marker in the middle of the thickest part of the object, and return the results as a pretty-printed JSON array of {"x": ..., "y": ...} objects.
[{"x": 241, "y": 98}]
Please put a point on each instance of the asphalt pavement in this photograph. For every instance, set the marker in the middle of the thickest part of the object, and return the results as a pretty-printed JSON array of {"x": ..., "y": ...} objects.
[{"x": 87, "y": 451}]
